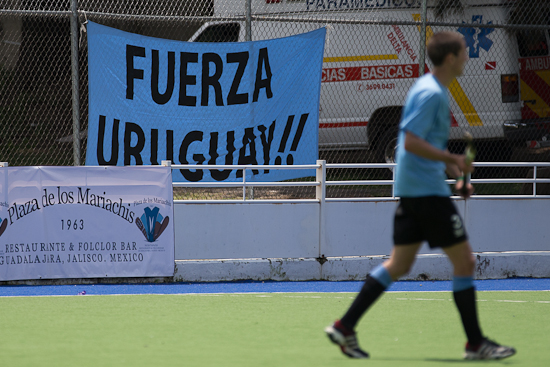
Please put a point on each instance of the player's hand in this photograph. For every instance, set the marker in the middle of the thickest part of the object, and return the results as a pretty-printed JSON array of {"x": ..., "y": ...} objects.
[
  {"x": 464, "y": 193},
  {"x": 463, "y": 165}
]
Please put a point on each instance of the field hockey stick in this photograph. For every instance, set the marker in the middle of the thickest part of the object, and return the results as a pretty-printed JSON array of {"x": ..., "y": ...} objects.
[{"x": 470, "y": 153}]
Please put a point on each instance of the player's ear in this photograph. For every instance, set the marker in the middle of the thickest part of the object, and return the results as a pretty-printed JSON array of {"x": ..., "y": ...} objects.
[{"x": 450, "y": 58}]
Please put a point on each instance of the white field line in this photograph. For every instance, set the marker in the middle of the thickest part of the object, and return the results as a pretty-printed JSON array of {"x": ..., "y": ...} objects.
[{"x": 292, "y": 295}]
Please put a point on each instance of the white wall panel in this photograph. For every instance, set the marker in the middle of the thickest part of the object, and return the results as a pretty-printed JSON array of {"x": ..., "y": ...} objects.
[
  {"x": 358, "y": 228},
  {"x": 236, "y": 231},
  {"x": 509, "y": 225}
]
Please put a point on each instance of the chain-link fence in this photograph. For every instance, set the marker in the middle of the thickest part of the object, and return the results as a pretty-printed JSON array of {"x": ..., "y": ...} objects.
[{"x": 374, "y": 50}]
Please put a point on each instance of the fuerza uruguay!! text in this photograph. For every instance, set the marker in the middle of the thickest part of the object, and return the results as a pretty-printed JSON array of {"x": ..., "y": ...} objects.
[
  {"x": 137, "y": 143},
  {"x": 247, "y": 152}
]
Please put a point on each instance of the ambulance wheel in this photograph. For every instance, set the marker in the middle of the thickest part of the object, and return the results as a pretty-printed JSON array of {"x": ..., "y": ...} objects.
[{"x": 387, "y": 147}]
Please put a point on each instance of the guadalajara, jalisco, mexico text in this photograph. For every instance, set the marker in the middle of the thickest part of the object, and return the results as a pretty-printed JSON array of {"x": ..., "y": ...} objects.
[{"x": 81, "y": 252}]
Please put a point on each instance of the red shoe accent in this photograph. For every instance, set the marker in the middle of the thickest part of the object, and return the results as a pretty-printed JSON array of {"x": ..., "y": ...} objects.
[
  {"x": 338, "y": 325},
  {"x": 472, "y": 348}
]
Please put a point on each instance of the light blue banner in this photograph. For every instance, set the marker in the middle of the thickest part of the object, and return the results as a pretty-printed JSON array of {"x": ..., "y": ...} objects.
[{"x": 153, "y": 99}]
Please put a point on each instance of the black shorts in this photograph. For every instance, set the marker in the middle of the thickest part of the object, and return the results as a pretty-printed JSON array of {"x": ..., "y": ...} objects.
[{"x": 431, "y": 218}]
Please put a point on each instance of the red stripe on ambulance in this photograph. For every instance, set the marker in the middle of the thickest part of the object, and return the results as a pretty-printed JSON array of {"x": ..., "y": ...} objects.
[
  {"x": 533, "y": 72},
  {"x": 328, "y": 125},
  {"x": 538, "y": 84},
  {"x": 347, "y": 74},
  {"x": 528, "y": 113},
  {"x": 454, "y": 123}
]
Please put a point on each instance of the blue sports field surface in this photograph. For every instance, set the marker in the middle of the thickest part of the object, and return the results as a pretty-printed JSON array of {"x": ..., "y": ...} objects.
[{"x": 515, "y": 284}]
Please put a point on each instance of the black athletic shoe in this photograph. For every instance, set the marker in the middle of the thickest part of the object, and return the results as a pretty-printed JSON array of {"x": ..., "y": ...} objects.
[
  {"x": 488, "y": 349},
  {"x": 346, "y": 339}
]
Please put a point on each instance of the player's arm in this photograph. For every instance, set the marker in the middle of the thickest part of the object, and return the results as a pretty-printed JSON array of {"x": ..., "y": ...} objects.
[
  {"x": 422, "y": 148},
  {"x": 456, "y": 165}
]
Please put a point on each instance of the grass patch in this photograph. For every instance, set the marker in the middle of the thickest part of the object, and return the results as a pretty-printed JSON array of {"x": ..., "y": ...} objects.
[{"x": 286, "y": 329}]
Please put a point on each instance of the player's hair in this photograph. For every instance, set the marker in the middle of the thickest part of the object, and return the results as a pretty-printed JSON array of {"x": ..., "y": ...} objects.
[{"x": 443, "y": 43}]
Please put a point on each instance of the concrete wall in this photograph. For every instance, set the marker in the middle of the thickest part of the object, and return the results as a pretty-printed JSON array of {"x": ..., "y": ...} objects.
[
  {"x": 286, "y": 241},
  {"x": 233, "y": 231}
]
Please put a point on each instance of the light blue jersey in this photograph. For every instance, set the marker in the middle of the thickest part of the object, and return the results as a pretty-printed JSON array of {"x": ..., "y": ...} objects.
[{"x": 426, "y": 114}]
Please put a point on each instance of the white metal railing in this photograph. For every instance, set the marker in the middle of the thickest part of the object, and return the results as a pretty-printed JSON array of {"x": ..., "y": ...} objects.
[
  {"x": 244, "y": 184},
  {"x": 534, "y": 180},
  {"x": 321, "y": 183}
]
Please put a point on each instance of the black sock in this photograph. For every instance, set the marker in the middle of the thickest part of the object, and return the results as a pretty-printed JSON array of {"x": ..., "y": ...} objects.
[
  {"x": 466, "y": 303},
  {"x": 369, "y": 293}
]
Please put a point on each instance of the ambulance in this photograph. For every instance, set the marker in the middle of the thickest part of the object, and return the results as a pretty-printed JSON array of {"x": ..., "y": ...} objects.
[{"x": 370, "y": 63}]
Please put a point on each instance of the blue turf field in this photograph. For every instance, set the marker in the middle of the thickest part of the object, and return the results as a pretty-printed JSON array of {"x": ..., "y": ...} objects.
[{"x": 520, "y": 284}]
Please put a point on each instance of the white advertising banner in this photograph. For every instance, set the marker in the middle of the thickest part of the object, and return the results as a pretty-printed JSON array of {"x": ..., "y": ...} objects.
[{"x": 86, "y": 222}]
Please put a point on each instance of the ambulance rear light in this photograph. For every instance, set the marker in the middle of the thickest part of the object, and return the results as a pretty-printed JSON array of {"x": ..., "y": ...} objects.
[{"x": 509, "y": 84}]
